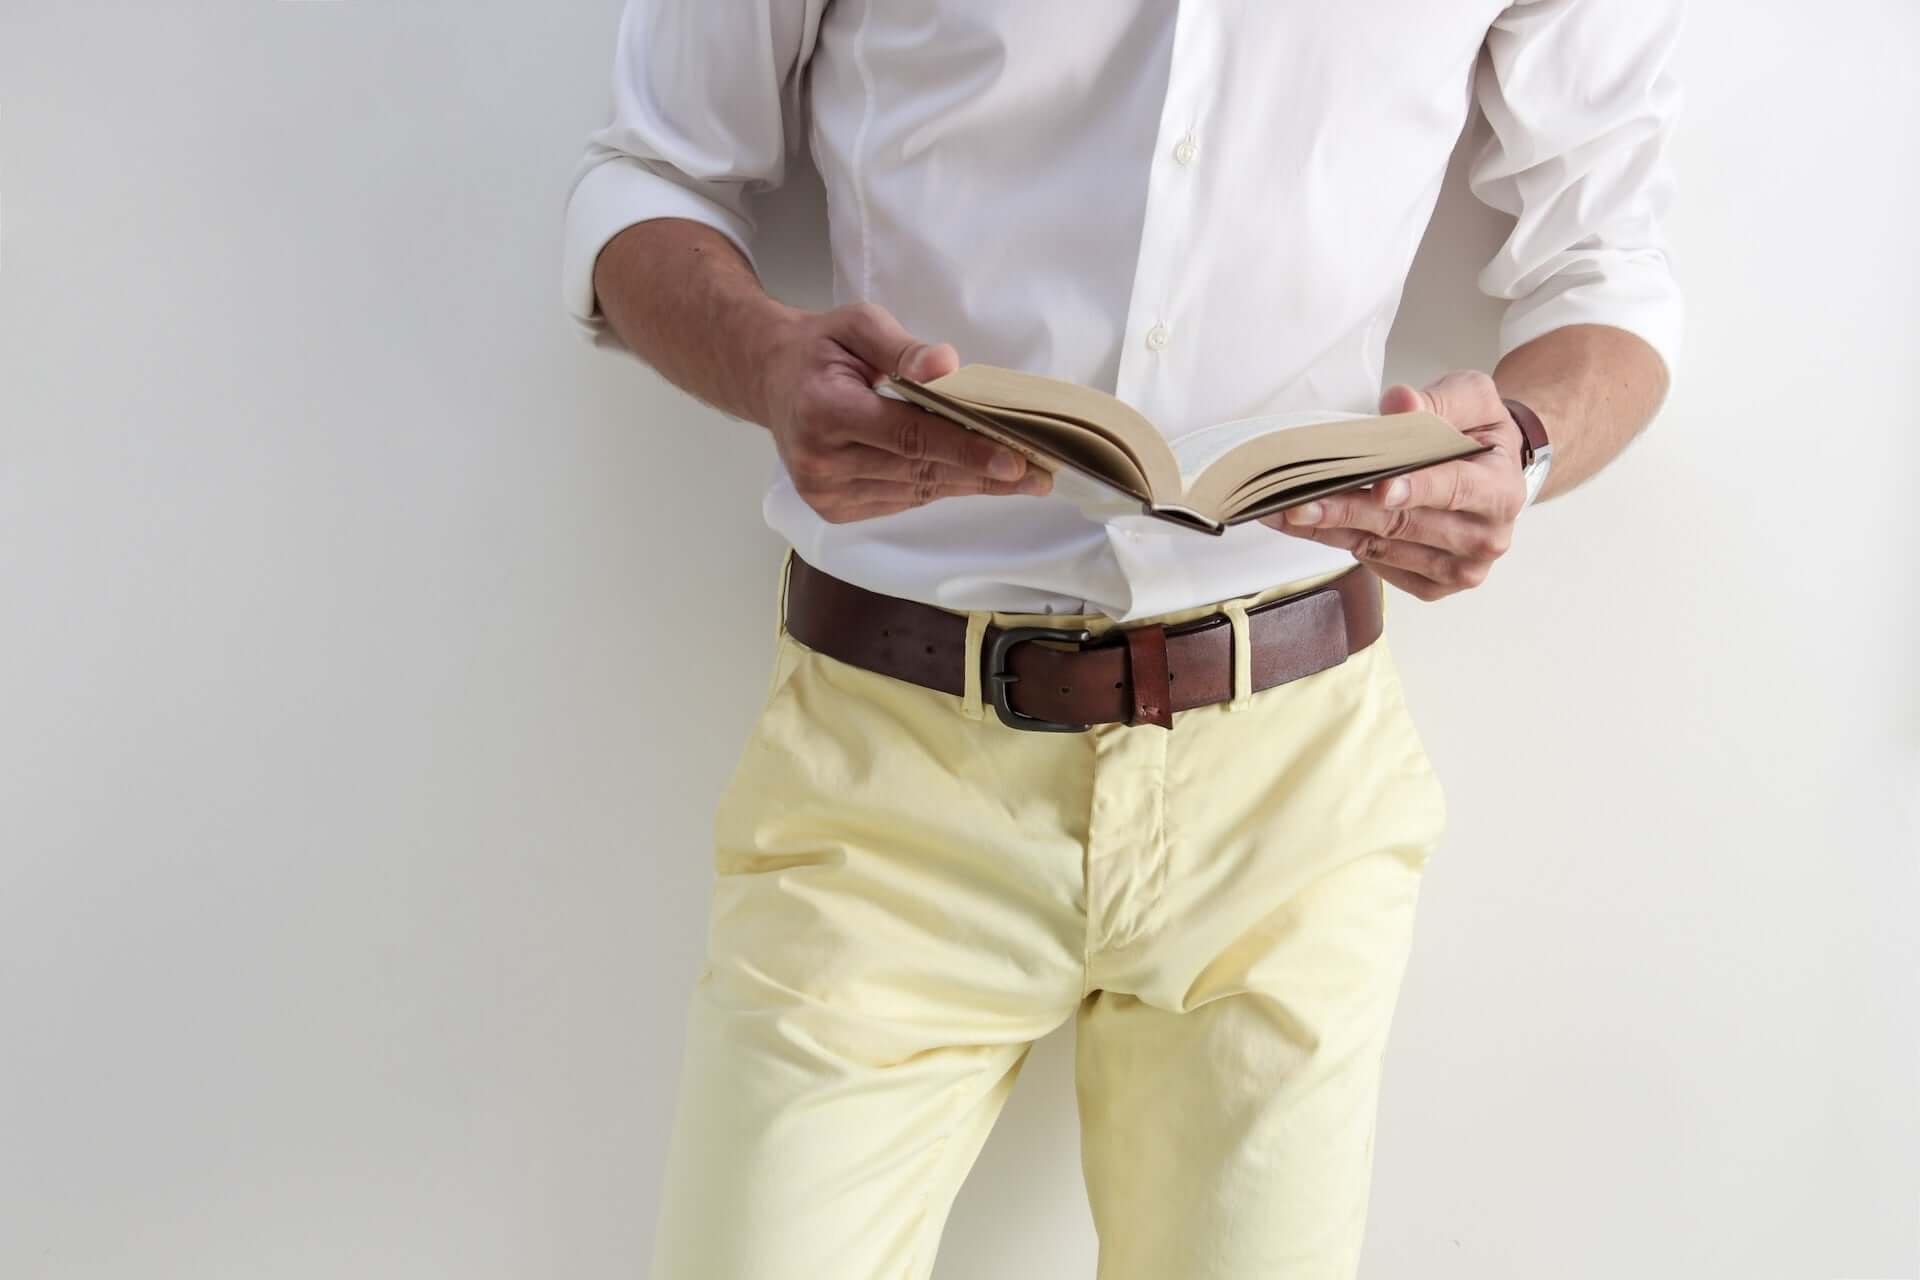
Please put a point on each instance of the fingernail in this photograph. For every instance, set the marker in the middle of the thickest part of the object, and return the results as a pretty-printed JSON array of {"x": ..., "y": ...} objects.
[
  {"x": 1307, "y": 514},
  {"x": 1005, "y": 464},
  {"x": 1036, "y": 482},
  {"x": 1396, "y": 493}
]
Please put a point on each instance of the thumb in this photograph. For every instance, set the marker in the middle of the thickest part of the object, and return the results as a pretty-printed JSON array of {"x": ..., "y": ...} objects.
[
  {"x": 925, "y": 361},
  {"x": 870, "y": 332},
  {"x": 1401, "y": 398}
]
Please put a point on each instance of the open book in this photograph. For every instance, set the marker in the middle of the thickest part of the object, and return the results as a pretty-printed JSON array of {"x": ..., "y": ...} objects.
[{"x": 1208, "y": 479}]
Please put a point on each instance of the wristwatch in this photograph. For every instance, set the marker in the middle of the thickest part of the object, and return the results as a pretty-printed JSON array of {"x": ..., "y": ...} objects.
[{"x": 1536, "y": 451}]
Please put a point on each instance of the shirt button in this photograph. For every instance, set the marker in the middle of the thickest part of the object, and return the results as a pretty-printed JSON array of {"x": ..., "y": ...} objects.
[
  {"x": 1158, "y": 337},
  {"x": 1186, "y": 149}
]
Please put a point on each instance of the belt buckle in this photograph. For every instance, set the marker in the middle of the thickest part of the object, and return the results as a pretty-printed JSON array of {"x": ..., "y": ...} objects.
[{"x": 998, "y": 677}]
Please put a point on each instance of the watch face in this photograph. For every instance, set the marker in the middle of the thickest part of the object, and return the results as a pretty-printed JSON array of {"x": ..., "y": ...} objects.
[{"x": 1536, "y": 473}]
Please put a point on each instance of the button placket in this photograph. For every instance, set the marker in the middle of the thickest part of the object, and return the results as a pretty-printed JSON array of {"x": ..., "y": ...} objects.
[{"x": 1171, "y": 220}]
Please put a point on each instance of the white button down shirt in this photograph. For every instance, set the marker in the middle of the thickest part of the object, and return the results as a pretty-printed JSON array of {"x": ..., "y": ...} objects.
[{"x": 1207, "y": 209}]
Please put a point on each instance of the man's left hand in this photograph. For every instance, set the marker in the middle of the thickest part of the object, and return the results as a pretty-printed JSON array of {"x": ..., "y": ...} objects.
[{"x": 1437, "y": 530}]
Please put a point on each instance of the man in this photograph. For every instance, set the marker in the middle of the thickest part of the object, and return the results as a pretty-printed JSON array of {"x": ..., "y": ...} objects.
[{"x": 1193, "y": 814}]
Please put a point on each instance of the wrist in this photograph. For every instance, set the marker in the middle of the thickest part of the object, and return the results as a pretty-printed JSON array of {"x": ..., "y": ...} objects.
[{"x": 768, "y": 335}]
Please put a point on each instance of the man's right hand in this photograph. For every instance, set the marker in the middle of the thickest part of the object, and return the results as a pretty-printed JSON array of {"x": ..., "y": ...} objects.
[{"x": 854, "y": 454}]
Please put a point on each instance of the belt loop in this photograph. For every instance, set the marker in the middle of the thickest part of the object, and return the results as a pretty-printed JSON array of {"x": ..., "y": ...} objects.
[
  {"x": 1149, "y": 675},
  {"x": 970, "y": 702},
  {"x": 780, "y": 607},
  {"x": 1236, "y": 611}
]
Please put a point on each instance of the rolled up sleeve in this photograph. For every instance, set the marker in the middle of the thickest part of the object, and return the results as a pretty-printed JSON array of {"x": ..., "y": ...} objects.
[
  {"x": 705, "y": 107},
  {"x": 1580, "y": 101}
]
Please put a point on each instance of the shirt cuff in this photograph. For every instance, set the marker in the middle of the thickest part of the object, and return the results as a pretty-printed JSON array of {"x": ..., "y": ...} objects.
[
  {"x": 1639, "y": 296},
  {"x": 608, "y": 198}
]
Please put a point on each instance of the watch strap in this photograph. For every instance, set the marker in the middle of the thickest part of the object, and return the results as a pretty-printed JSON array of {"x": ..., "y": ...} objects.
[{"x": 1533, "y": 435}]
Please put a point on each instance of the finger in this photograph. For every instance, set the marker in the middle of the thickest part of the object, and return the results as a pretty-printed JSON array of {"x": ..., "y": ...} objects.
[
  {"x": 864, "y": 462},
  {"x": 917, "y": 436},
  {"x": 1488, "y": 486},
  {"x": 1412, "y": 583},
  {"x": 872, "y": 333},
  {"x": 1445, "y": 486},
  {"x": 1401, "y": 398},
  {"x": 1467, "y": 398},
  {"x": 925, "y": 361},
  {"x": 1406, "y": 579},
  {"x": 1428, "y": 562},
  {"x": 1452, "y": 531}
]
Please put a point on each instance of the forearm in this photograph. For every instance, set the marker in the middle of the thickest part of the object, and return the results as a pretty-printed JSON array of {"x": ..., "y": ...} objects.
[
  {"x": 683, "y": 299},
  {"x": 1594, "y": 386}
]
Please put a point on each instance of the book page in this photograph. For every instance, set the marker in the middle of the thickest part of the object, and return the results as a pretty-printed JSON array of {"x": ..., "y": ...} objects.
[
  {"x": 1207, "y": 475},
  {"x": 1339, "y": 480},
  {"x": 1092, "y": 450},
  {"x": 1197, "y": 450},
  {"x": 1046, "y": 442},
  {"x": 1356, "y": 442},
  {"x": 989, "y": 387},
  {"x": 1260, "y": 487}
]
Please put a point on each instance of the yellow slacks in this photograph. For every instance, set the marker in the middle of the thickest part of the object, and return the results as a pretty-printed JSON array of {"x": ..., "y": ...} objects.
[{"x": 908, "y": 893}]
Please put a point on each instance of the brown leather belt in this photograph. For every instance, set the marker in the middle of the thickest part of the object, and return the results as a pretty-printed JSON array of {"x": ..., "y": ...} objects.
[{"x": 1063, "y": 678}]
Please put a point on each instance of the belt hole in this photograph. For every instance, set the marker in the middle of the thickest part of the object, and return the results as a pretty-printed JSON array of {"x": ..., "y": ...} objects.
[
  {"x": 929, "y": 648},
  {"x": 885, "y": 632},
  {"x": 1065, "y": 689},
  {"x": 1116, "y": 684}
]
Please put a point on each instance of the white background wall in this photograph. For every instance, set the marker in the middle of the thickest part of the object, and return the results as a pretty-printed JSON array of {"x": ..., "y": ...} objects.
[{"x": 368, "y": 670}]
